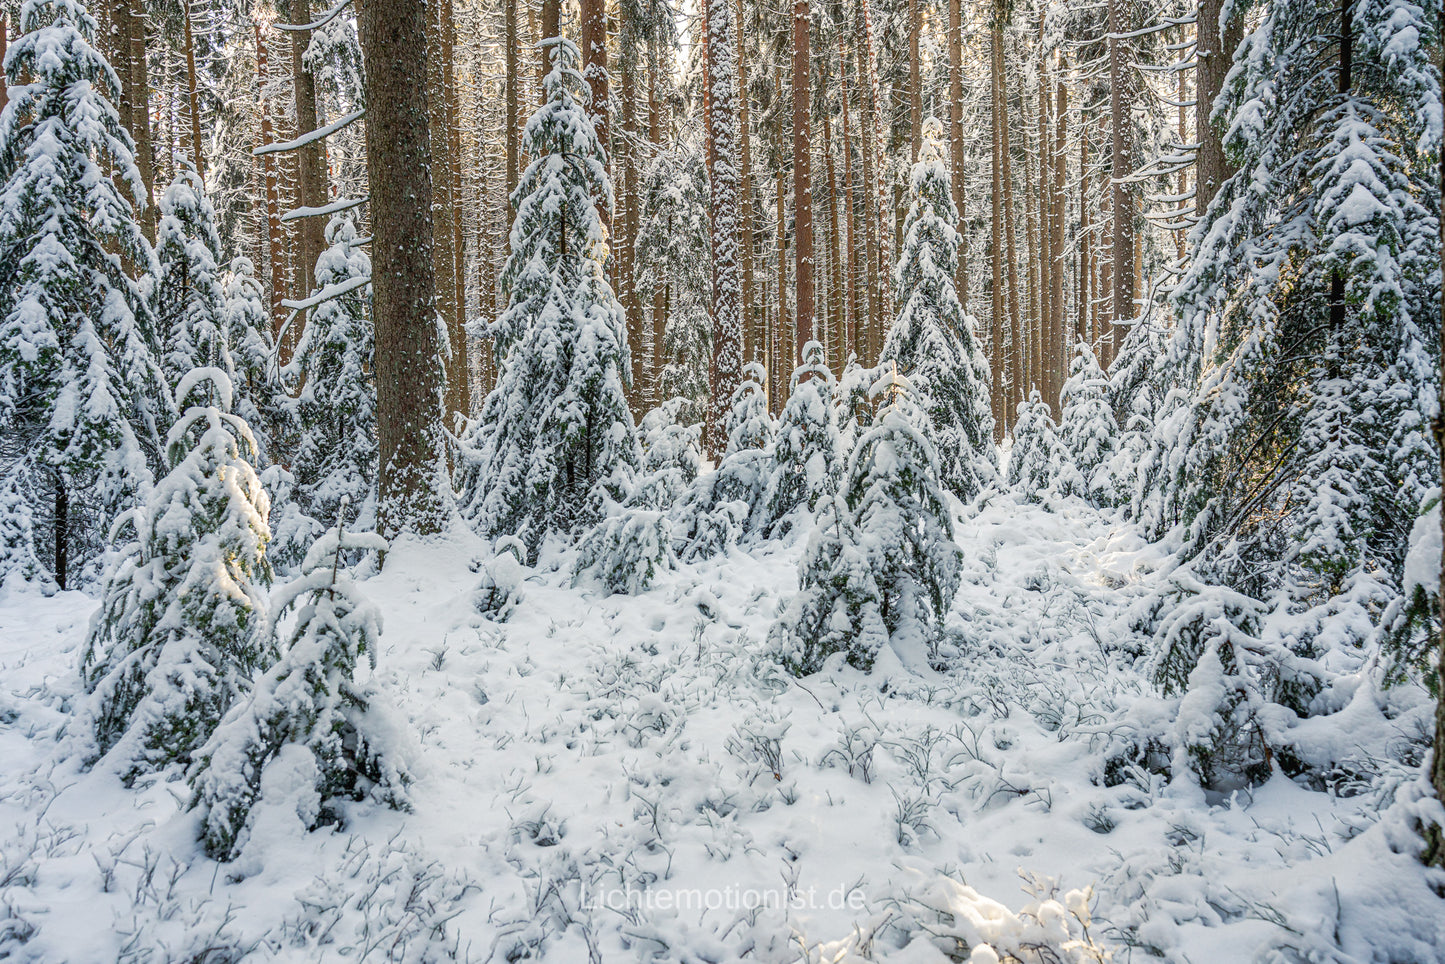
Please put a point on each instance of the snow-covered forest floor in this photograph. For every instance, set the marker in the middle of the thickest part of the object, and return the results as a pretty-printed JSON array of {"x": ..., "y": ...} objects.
[{"x": 629, "y": 777}]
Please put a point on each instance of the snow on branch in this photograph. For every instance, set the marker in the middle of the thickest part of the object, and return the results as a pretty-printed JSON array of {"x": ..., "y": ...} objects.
[
  {"x": 326, "y": 18},
  {"x": 327, "y": 293},
  {"x": 313, "y": 136},
  {"x": 336, "y": 206}
]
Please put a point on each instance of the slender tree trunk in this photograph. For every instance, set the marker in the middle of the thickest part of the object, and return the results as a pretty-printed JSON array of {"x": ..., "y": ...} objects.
[
  {"x": 836, "y": 325},
  {"x": 551, "y": 27},
  {"x": 1059, "y": 203},
  {"x": 872, "y": 224},
  {"x": 311, "y": 159},
  {"x": 444, "y": 251},
  {"x": 194, "y": 99},
  {"x": 882, "y": 315},
  {"x": 594, "y": 71},
  {"x": 4, "y": 45},
  {"x": 140, "y": 116},
  {"x": 915, "y": 80},
  {"x": 513, "y": 101},
  {"x": 1086, "y": 254},
  {"x": 1217, "y": 42},
  {"x": 1434, "y": 853},
  {"x": 461, "y": 386},
  {"x": 643, "y": 381},
  {"x": 726, "y": 372},
  {"x": 660, "y": 292},
  {"x": 61, "y": 531},
  {"x": 1120, "y": 86},
  {"x": 1010, "y": 363},
  {"x": 999, "y": 120},
  {"x": 955, "y": 123},
  {"x": 408, "y": 370},
  {"x": 1047, "y": 215},
  {"x": 850, "y": 266},
  {"x": 1035, "y": 237},
  {"x": 802, "y": 177},
  {"x": 275, "y": 238},
  {"x": 752, "y": 326}
]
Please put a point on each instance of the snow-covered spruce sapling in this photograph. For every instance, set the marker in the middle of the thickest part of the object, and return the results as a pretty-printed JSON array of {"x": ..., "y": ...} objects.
[
  {"x": 261, "y": 399},
  {"x": 83, "y": 404},
  {"x": 933, "y": 340},
  {"x": 805, "y": 452},
  {"x": 893, "y": 491},
  {"x": 1040, "y": 463},
  {"x": 18, "y": 560},
  {"x": 724, "y": 505},
  {"x": 1088, "y": 429},
  {"x": 671, "y": 453},
  {"x": 306, "y": 713},
  {"x": 626, "y": 550},
  {"x": 500, "y": 588},
  {"x": 555, "y": 439},
  {"x": 336, "y": 454},
  {"x": 186, "y": 295},
  {"x": 178, "y": 634}
]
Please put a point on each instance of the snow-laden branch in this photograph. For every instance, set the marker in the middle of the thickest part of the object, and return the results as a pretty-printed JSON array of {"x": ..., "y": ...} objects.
[
  {"x": 326, "y": 18},
  {"x": 310, "y": 138},
  {"x": 336, "y": 206},
  {"x": 327, "y": 293}
]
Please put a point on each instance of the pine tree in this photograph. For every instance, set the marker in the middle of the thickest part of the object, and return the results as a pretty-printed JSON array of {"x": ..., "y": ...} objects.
[
  {"x": 178, "y": 632},
  {"x": 1304, "y": 458},
  {"x": 933, "y": 341},
  {"x": 1088, "y": 429},
  {"x": 307, "y": 699},
  {"x": 1040, "y": 464},
  {"x": 336, "y": 454},
  {"x": 187, "y": 301},
  {"x": 805, "y": 454},
  {"x": 673, "y": 245},
  {"x": 82, "y": 400},
  {"x": 555, "y": 441},
  {"x": 894, "y": 493}
]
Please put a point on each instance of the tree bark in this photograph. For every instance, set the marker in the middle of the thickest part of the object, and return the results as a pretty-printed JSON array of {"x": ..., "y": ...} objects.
[
  {"x": 275, "y": 239},
  {"x": 1121, "y": 167},
  {"x": 140, "y": 116},
  {"x": 955, "y": 122},
  {"x": 444, "y": 251},
  {"x": 4, "y": 45},
  {"x": 726, "y": 372},
  {"x": 873, "y": 227},
  {"x": 1056, "y": 244},
  {"x": 804, "y": 301},
  {"x": 1217, "y": 40},
  {"x": 1009, "y": 363},
  {"x": 408, "y": 366},
  {"x": 850, "y": 254},
  {"x": 886, "y": 221},
  {"x": 995, "y": 325},
  {"x": 1435, "y": 835},
  {"x": 194, "y": 98},
  {"x": 915, "y": 81},
  {"x": 594, "y": 71},
  {"x": 752, "y": 326}
]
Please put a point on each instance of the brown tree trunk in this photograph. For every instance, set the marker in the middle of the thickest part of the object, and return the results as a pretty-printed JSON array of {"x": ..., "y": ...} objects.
[
  {"x": 802, "y": 178},
  {"x": 194, "y": 98},
  {"x": 752, "y": 326},
  {"x": 275, "y": 238},
  {"x": 867, "y": 317},
  {"x": 140, "y": 115},
  {"x": 1122, "y": 166},
  {"x": 1216, "y": 44},
  {"x": 886, "y": 221},
  {"x": 310, "y": 159},
  {"x": 551, "y": 27},
  {"x": 915, "y": 80},
  {"x": 1086, "y": 254},
  {"x": 1010, "y": 363},
  {"x": 659, "y": 294},
  {"x": 850, "y": 254},
  {"x": 1435, "y": 836},
  {"x": 726, "y": 371},
  {"x": 836, "y": 325},
  {"x": 1057, "y": 323},
  {"x": 995, "y": 325},
  {"x": 955, "y": 122},
  {"x": 4, "y": 45},
  {"x": 594, "y": 71},
  {"x": 408, "y": 368},
  {"x": 512, "y": 114},
  {"x": 643, "y": 380},
  {"x": 444, "y": 251},
  {"x": 1047, "y": 215}
]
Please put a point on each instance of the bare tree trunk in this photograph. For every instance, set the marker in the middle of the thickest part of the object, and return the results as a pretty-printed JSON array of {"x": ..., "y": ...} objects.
[
  {"x": 275, "y": 238},
  {"x": 955, "y": 122},
  {"x": 836, "y": 325},
  {"x": 194, "y": 99},
  {"x": 802, "y": 177},
  {"x": 1216, "y": 44},
  {"x": 1010, "y": 363},
  {"x": 850, "y": 254},
  {"x": 551, "y": 27},
  {"x": 999, "y": 120},
  {"x": 444, "y": 251},
  {"x": 140, "y": 116},
  {"x": 1434, "y": 853},
  {"x": 752, "y": 326},
  {"x": 872, "y": 224},
  {"x": 643, "y": 382},
  {"x": 915, "y": 80},
  {"x": 408, "y": 367},
  {"x": 1059, "y": 204},
  {"x": 513, "y": 102},
  {"x": 1122, "y": 166},
  {"x": 660, "y": 292},
  {"x": 594, "y": 71},
  {"x": 726, "y": 371},
  {"x": 4, "y": 45},
  {"x": 1086, "y": 253},
  {"x": 885, "y": 214},
  {"x": 1047, "y": 214},
  {"x": 1035, "y": 237},
  {"x": 310, "y": 159}
]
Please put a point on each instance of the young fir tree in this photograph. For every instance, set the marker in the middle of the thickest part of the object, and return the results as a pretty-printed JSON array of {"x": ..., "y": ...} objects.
[
  {"x": 933, "y": 340},
  {"x": 671, "y": 452},
  {"x": 1308, "y": 308},
  {"x": 308, "y": 700},
  {"x": 82, "y": 400},
  {"x": 1088, "y": 429},
  {"x": 335, "y": 456},
  {"x": 178, "y": 632},
  {"x": 187, "y": 301},
  {"x": 1140, "y": 379},
  {"x": 673, "y": 270},
  {"x": 1040, "y": 464},
  {"x": 555, "y": 440},
  {"x": 18, "y": 562},
  {"x": 894, "y": 493},
  {"x": 724, "y": 505},
  {"x": 805, "y": 453},
  {"x": 246, "y": 326}
]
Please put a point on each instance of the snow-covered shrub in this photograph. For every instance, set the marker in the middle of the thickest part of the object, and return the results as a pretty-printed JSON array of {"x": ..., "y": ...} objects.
[
  {"x": 1039, "y": 463},
  {"x": 307, "y": 732},
  {"x": 500, "y": 589},
  {"x": 261, "y": 399},
  {"x": 805, "y": 452},
  {"x": 292, "y": 529},
  {"x": 1088, "y": 429},
  {"x": 671, "y": 454},
  {"x": 179, "y": 631},
  {"x": 18, "y": 561},
  {"x": 626, "y": 551},
  {"x": 187, "y": 301},
  {"x": 1410, "y": 625}
]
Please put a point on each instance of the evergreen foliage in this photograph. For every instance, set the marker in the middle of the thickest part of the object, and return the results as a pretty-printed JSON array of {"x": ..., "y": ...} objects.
[
  {"x": 1088, "y": 429},
  {"x": 308, "y": 698},
  {"x": 1040, "y": 464},
  {"x": 178, "y": 633},
  {"x": 187, "y": 300},
  {"x": 555, "y": 440},
  {"x": 805, "y": 452},
  {"x": 933, "y": 341},
  {"x": 261, "y": 399}
]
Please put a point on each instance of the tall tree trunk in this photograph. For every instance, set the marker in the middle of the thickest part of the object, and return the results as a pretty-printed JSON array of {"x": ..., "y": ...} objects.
[
  {"x": 551, "y": 27},
  {"x": 1435, "y": 836},
  {"x": 850, "y": 254},
  {"x": 408, "y": 367},
  {"x": 995, "y": 325},
  {"x": 1010, "y": 363},
  {"x": 654, "y": 136},
  {"x": 1086, "y": 254},
  {"x": 752, "y": 325},
  {"x": 461, "y": 386},
  {"x": 61, "y": 530},
  {"x": 955, "y": 124},
  {"x": 802, "y": 177},
  {"x": 837, "y": 327},
  {"x": 594, "y": 71},
  {"x": 643, "y": 380},
  {"x": 140, "y": 116},
  {"x": 882, "y": 315},
  {"x": 4, "y": 45},
  {"x": 444, "y": 253},
  {"x": 194, "y": 99},
  {"x": 275, "y": 237},
  {"x": 1059, "y": 203},
  {"x": 915, "y": 81},
  {"x": 513, "y": 107},
  {"x": 726, "y": 371},
  {"x": 310, "y": 159},
  {"x": 1217, "y": 40},
  {"x": 872, "y": 222},
  {"x": 1120, "y": 101},
  {"x": 1047, "y": 215}
]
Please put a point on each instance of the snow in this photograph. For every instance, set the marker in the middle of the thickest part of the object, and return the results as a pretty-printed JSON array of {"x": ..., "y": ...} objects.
[{"x": 632, "y": 778}]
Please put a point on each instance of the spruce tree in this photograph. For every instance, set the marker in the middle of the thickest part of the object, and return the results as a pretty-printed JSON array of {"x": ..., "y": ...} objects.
[
  {"x": 933, "y": 341},
  {"x": 1088, "y": 429},
  {"x": 1307, "y": 312},
  {"x": 805, "y": 453},
  {"x": 308, "y": 700},
  {"x": 1040, "y": 464},
  {"x": 178, "y": 634},
  {"x": 336, "y": 454},
  {"x": 187, "y": 300},
  {"x": 260, "y": 396},
  {"x": 82, "y": 400},
  {"x": 555, "y": 440}
]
